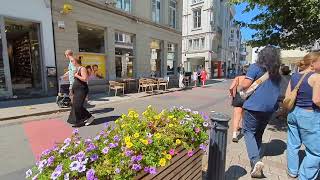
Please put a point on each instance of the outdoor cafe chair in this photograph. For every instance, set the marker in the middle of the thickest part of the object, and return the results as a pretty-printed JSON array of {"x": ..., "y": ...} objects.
[{"x": 115, "y": 86}]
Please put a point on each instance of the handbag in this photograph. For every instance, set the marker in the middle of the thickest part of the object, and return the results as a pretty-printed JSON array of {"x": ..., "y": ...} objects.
[
  {"x": 290, "y": 100},
  {"x": 245, "y": 94}
]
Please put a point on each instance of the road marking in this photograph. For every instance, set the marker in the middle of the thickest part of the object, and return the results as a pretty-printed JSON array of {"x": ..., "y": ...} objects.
[{"x": 44, "y": 134}]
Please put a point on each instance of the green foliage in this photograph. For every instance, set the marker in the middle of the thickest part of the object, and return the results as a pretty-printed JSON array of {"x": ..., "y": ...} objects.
[{"x": 285, "y": 23}]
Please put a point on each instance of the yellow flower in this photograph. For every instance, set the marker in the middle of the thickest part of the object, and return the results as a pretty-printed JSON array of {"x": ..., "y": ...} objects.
[
  {"x": 144, "y": 113},
  {"x": 117, "y": 121},
  {"x": 123, "y": 116},
  {"x": 123, "y": 125},
  {"x": 136, "y": 115},
  {"x": 164, "y": 153},
  {"x": 127, "y": 139},
  {"x": 178, "y": 142},
  {"x": 144, "y": 141},
  {"x": 170, "y": 125},
  {"x": 168, "y": 156},
  {"x": 162, "y": 162},
  {"x": 129, "y": 144},
  {"x": 158, "y": 135},
  {"x": 136, "y": 135},
  {"x": 170, "y": 117},
  {"x": 174, "y": 119},
  {"x": 149, "y": 107}
]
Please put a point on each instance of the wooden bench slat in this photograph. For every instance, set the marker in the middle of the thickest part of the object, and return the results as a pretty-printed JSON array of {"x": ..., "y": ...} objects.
[{"x": 192, "y": 170}]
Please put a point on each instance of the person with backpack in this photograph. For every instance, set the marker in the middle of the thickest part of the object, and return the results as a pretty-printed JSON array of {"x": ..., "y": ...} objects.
[
  {"x": 303, "y": 101},
  {"x": 263, "y": 81}
]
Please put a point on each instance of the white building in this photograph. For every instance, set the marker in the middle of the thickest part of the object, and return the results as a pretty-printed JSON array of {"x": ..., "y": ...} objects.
[
  {"x": 27, "y": 60},
  {"x": 235, "y": 47},
  {"x": 206, "y": 33}
]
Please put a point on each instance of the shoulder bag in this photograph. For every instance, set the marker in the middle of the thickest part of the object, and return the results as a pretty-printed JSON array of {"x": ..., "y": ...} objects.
[
  {"x": 245, "y": 94},
  {"x": 290, "y": 100}
]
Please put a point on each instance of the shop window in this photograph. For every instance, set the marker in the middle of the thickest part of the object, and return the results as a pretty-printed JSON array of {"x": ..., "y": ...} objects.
[
  {"x": 172, "y": 13},
  {"x": 190, "y": 44},
  {"x": 24, "y": 45},
  {"x": 171, "y": 59},
  {"x": 156, "y": 4},
  {"x": 91, "y": 39},
  {"x": 124, "y": 55},
  {"x": 155, "y": 60}
]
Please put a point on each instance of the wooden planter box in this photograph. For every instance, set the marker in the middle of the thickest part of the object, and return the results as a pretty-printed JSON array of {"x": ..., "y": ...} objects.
[{"x": 181, "y": 167}]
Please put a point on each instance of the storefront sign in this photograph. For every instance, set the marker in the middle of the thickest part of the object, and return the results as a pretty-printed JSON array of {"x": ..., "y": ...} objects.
[{"x": 95, "y": 64}]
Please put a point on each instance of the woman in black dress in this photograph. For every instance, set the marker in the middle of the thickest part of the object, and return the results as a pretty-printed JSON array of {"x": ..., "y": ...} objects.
[{"x": 79, "y": 114}]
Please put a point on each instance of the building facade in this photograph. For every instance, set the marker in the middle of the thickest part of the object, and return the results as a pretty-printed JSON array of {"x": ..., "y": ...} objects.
[
  {"x": 234, "y": 64},
  {"x": 206, "y": 33},
  {"x": 119, "y": 38},
  {"x": 27, "y": 59}
]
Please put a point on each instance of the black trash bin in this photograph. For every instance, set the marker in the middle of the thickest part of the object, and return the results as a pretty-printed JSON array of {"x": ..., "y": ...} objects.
[{"x": 218, "y": 146}]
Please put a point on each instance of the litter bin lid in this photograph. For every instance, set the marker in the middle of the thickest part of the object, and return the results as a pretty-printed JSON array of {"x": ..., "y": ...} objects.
[{"x": 219, "y": 117}]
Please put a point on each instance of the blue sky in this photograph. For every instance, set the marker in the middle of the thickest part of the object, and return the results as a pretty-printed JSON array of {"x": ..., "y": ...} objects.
[{"x": 246, "y": 17}]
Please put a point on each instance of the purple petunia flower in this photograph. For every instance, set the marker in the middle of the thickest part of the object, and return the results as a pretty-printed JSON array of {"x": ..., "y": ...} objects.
[
  {"x": 85, "y": 161},
  {"x": 55, "y": 148},
  {"x": 113, "y": 145},
  {"x": 75, "y": 131},
  {"x": 55, "y": 175},
  {"x": 87, "y": 141},
  {"x": 152, "y": 170},
  {"x": 94, "y": 157},
  {"x": 105, "y": 150},
  {"x": 150, "y": 141},
  {"x": 42, "y": 164},
  {"x": 190, "y": 153},
  {"x": 74, "y": 166},
  {"x": 203, "y": 147},
  {"x": 46, "y": 152},
  {"x": 133, "y": 158},
  {"x": 136, "y": 167},
  {"x": 35, "y": 177},
  {"x": 91, "y": 147},
  {"x": 66, "y": 176},
  {"x": 146, "y": 169},
  {"x": 50, "y": 160},
  {"x": 28, "y": 173},
  {"x": 73, "y": 157},
  {"x": 116, "y": 138},
  {"x": 80, "y": 156},
  {"x": 128, "y": 153},
  {"x": 117, "y": 171},
  {"x": 101, "y": 132},
  {"x": 67, "y": 141},
  {"x": 106, "y": 124},
  {"x": 90, "y": 174},
  {"x": 139, "y": 158},
  {"x": 82, "y": 168},
  {"x": 97, "y": 137}
]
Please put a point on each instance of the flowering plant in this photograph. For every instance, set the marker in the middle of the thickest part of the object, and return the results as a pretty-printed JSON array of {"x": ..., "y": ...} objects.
[{"x": 132, "y": 144}]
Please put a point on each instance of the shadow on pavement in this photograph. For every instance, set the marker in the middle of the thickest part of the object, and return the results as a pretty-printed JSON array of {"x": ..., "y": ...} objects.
[
  {"x": 104, "y": 120},
  {"x": 278, "y": 125},
  {"x": 275, "y": 147},
  {"x": 235, "y": 172},
  {"x": 100, "y": 111}
]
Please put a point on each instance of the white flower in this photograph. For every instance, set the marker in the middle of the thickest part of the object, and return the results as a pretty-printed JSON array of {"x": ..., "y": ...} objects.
[
  {"x": 28, "y": 173},
  {"x": 205, "y": 124},
  {"x": 195, "y": 112},
  {"x": 35, "y": 177},
  {"x": 66, "y": 176}
]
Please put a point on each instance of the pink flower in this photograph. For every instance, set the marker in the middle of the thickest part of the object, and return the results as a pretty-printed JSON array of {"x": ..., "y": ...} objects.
[
  {"x": 190, "y": 153},
  {"x": 171, "y": 152},
  {"x": 197, "y": 130}
]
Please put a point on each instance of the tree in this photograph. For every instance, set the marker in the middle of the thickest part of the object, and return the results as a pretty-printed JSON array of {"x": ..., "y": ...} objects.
[{"x": 285, "y": 23}]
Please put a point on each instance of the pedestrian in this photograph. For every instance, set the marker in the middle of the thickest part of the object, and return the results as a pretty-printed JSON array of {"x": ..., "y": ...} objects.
[
  {"x": 195, "y": 77},
  {"x": 237, "y": 103},
  {"x": 181, "y": 75},
  {"x": 79, "y": 114},
  {"x": 71, "y": 70},
  {"x": 260, "y": 106},
  {"x": 304, "y": 120},
  {"x": 199, "y": 74},
  {"x": 204, "y": 76}
]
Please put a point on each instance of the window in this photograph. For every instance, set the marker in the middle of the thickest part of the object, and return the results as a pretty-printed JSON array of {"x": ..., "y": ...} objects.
[
  {"x": 232, "y": 34},
  {"x": 124, "y": 5},
  {"x": 124, "y": 56},
  {"x": 190, "y": 43},
  {"x": 171, "y": 59},
  {"x": 196, "y": 44},
  {"x": 196, "y": 1},
  {"x": 91, "y": 39},
  {"x": 197, "y": 18},
  {"x": 156, "y": 10},
  {"x": 172, "y": 13},
  {"x": 155, "y": 60},
  {"x": 202, "y": 43}
]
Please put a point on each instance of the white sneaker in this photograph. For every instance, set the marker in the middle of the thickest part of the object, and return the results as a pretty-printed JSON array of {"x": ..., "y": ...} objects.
[
  {"x": 257, "y": 171},
  {"x": 89, "y": 121}
]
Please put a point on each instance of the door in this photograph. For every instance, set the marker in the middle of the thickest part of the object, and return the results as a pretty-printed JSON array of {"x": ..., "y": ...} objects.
[{"x": 5, "y": 78}]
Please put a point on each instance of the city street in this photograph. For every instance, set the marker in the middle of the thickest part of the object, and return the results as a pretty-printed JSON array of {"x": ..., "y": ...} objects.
[{"x": 22, "y": 140}]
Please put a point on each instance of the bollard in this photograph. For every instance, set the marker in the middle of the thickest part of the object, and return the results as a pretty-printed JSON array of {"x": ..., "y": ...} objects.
[{"x": 218, "y": 146}]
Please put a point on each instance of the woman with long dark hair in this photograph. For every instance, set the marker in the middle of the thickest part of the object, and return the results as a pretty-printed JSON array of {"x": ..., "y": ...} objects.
[
  {"x": 260, "y": 106},
  {"x": 79, "y": 114}
]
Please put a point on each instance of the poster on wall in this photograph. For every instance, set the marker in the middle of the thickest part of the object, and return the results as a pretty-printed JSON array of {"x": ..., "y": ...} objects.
[{"x": 95, "y": 65}]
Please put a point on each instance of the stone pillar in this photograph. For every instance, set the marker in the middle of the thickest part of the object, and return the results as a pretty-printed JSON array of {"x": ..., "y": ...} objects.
[
  {"x": 110, "y": 54},
  {"x": 143, "y": 56},
  {"x": 164, "y": 59}
]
